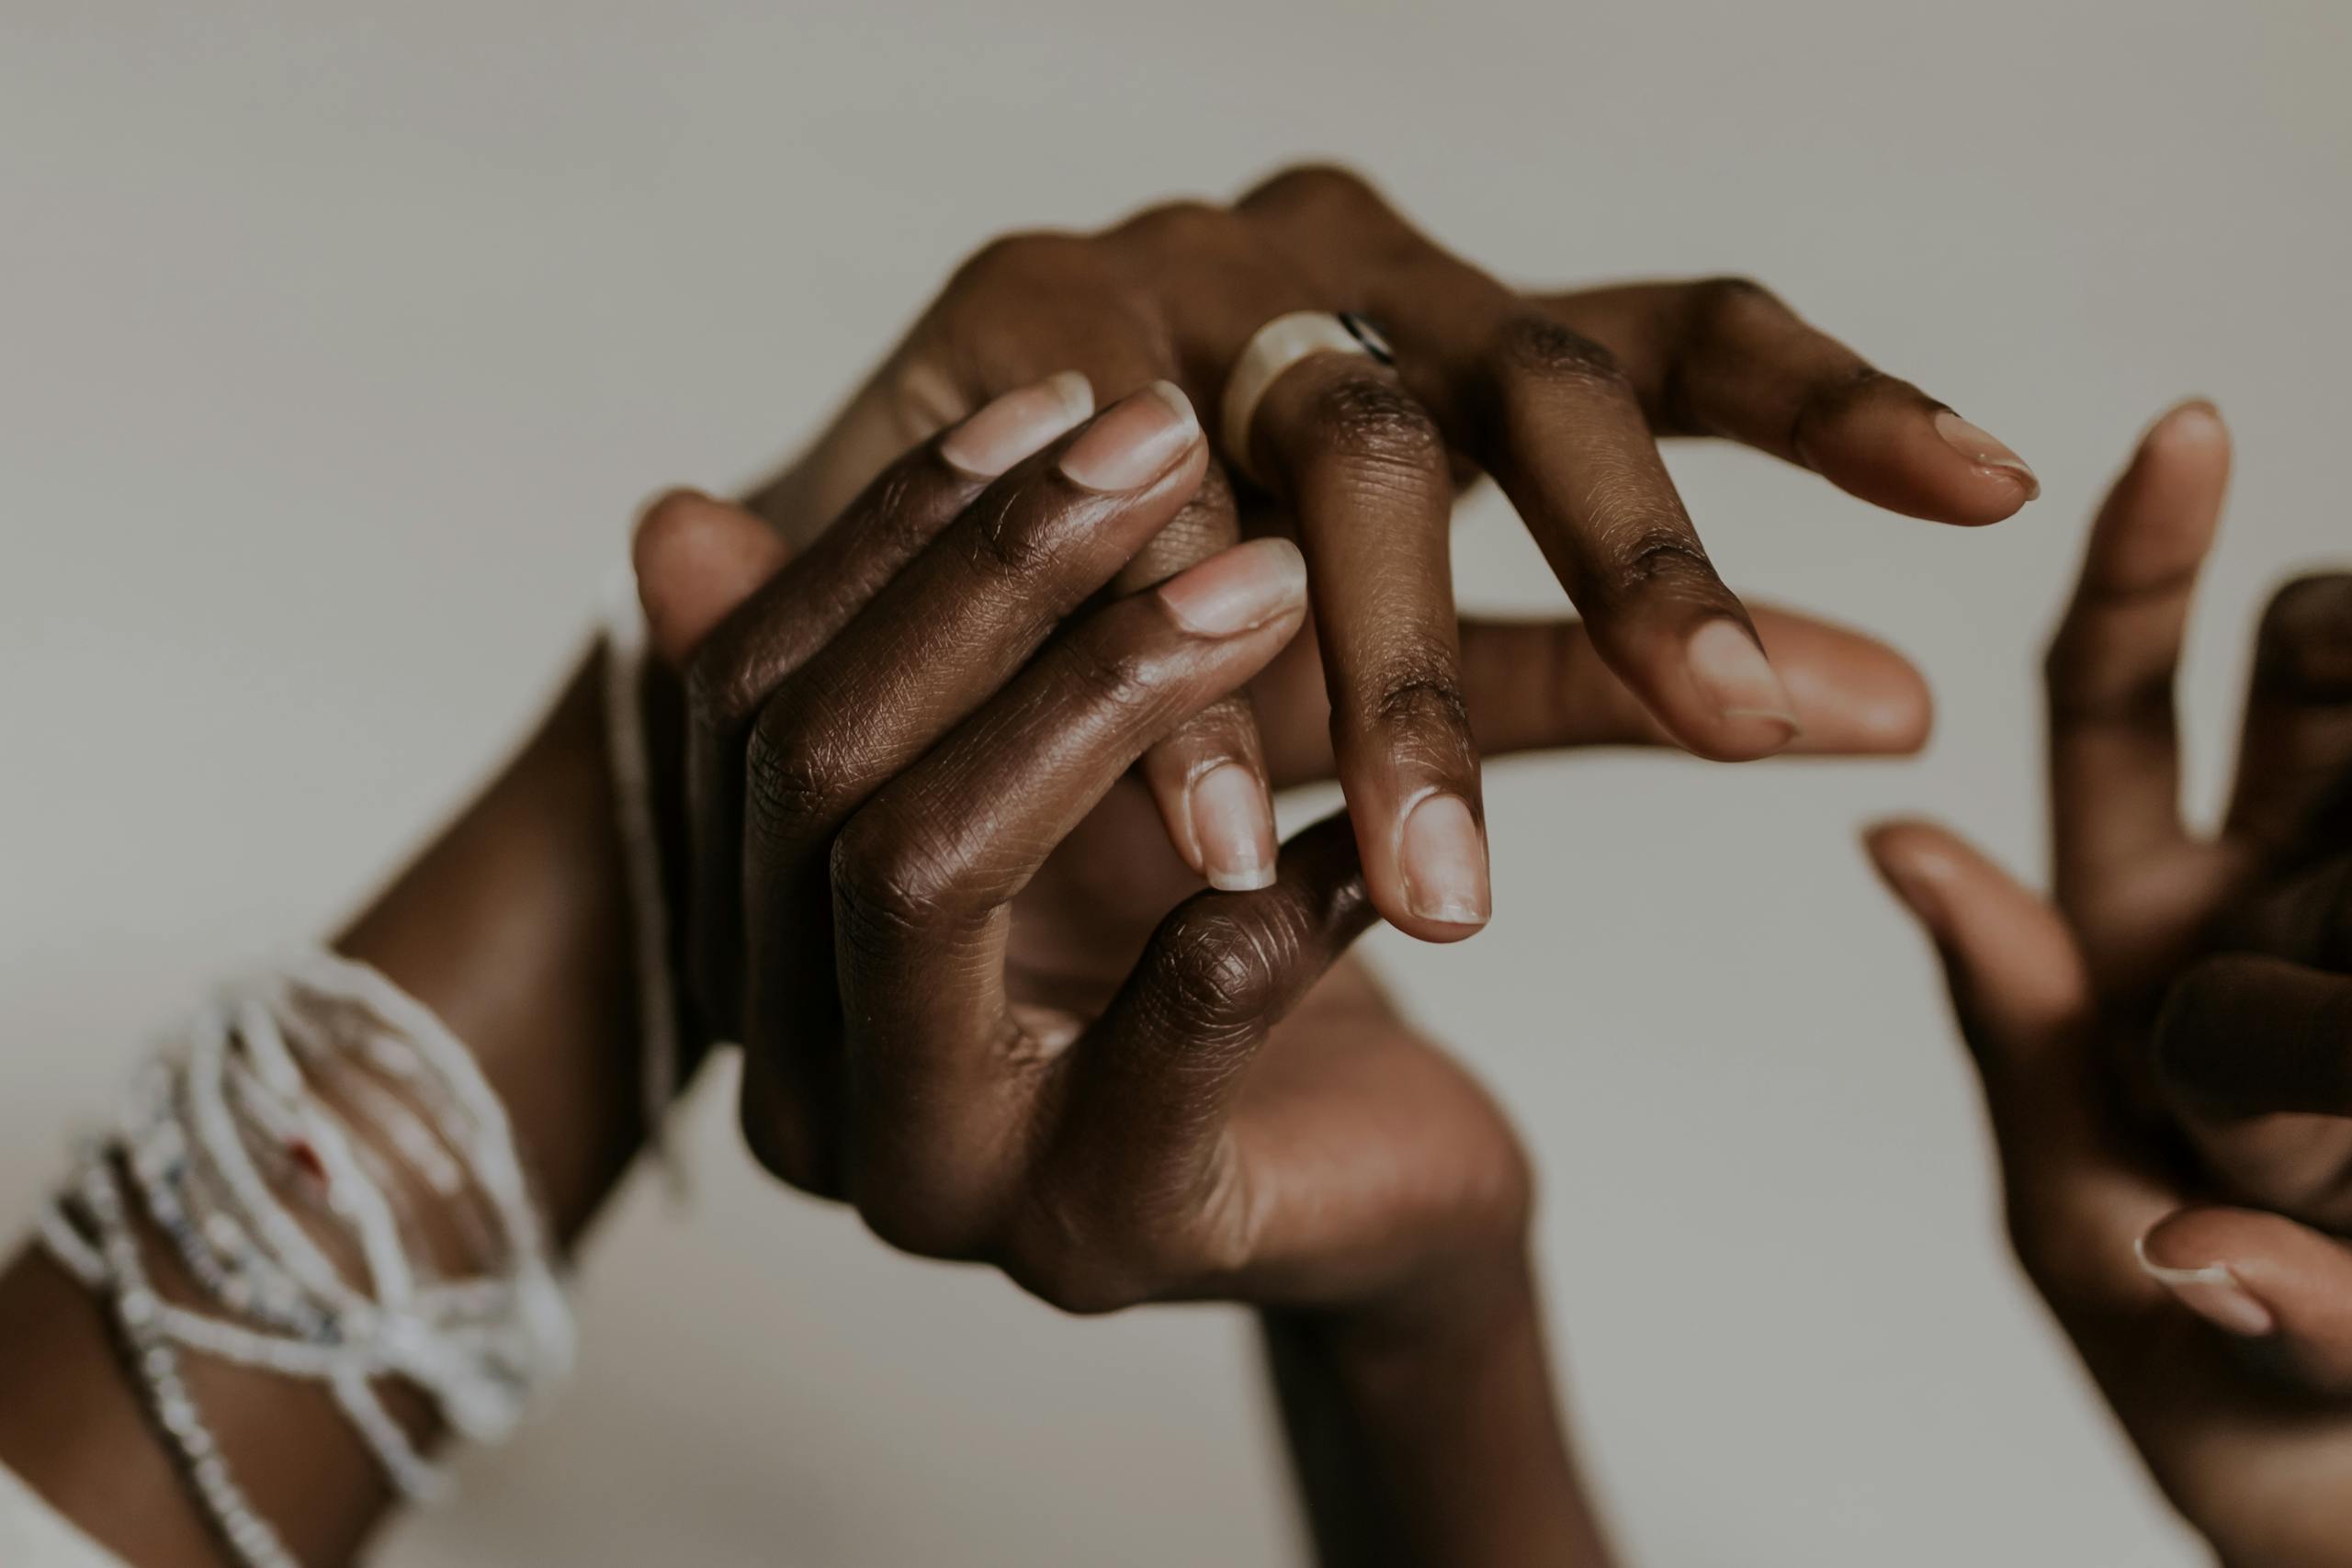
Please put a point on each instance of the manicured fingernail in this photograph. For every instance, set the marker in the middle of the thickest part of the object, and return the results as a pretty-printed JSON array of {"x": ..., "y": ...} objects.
[
  {"x": 1980, "y": 445},
  {"x": 1137, "y": 439},
  {"x": 1234, "y": 823},
  {"x": 1238, "y": 590},
  {"x": 1734, "y": 674},
  {"x": 1445, "y": 863},
  {"x": 2213, "y": 1293},
  {"x": 1018, "y": 424}
]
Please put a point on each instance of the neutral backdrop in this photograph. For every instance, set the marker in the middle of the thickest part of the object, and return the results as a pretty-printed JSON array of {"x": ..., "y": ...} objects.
[{"x": 338, "y": 343}]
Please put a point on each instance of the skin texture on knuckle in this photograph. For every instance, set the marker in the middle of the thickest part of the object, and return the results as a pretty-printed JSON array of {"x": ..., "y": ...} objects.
[
  {"x": 792, "y": 776},
  {"x": 1415, "y": 704},
  {"x": 1217, "y": 975},
  {"x": 1123, "y": 676},
  {"x": 1656, "y": 562},
  {"x": 1533, "y": 349},
  {"x": 888, "y": 880},
  {"x": 1371, "y": 420}
]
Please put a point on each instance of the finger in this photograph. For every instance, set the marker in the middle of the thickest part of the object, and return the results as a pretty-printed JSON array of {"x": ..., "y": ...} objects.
[
  {"x": 1363, "y": 470},
  {"x": 697, "y": 560},
  {"x": 1208, "y": 778},
  {"x": 2076, "y": 1193},
  {"x": 2253, "y": 1055},
  {"x": 1534, "y": 685},
  {"x": 936, "y": 643},
  {"x": 1540, "y": 686},
  {"x": 738, "y": 661},
  {"x": 1552, "y": 416},
  {"x": 2263, "y": 1279},
  {"x": 1725, "y": 357},
  {"x": 1141, "y": 1151},
  {"x": 920, "y": 877},
  {"x": 2295, "y": 760},
  {"x": 2114, "y": 750}
]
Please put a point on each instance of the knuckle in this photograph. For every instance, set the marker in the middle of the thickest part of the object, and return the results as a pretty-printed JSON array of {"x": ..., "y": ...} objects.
[
  {"x": 1185, "y": 225},
  {"x": 1118, "y": 673},
  {"x": 722, "y": 693},
  {"x": 1070, "y": 1255},
  {"x": 1010, "y": 537},
  {"x": 1325, "y": 186},
  {"x": 1421, "y": 697},
  {"x": 1372, "y": 420},
  {"x": 1719, "y": 306},
  {"x": 886, "y": 878},
  {"x": 1019, "y": 264},
  {"x": 1218, "y": 973},
  {"x": 1663, "y": 557},
  {"x": 791, "y": 773},
  {"x": 1534, "y": 347}
]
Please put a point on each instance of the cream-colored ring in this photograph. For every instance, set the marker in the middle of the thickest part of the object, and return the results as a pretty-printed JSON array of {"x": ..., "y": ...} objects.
[{"x": 1272, "y": 349}]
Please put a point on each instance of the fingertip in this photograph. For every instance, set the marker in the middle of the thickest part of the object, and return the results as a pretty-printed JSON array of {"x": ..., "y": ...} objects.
[
  {"x": 697, "y": 558},
  {"x": 1853, "y": 695},
  {"x": 1901, "y": 450},
  {"x": 2192, "y": 424},
  {"x": 1913, "y": 859}
]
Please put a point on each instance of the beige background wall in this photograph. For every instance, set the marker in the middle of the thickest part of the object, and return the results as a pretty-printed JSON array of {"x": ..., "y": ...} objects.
[{"x": 337, "y": 342}]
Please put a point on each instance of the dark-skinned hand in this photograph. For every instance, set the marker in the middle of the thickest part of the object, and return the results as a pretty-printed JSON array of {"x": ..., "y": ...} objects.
[
  {"x": 1562, "y": 398},
  {"x": 2166, "y": 1047}
]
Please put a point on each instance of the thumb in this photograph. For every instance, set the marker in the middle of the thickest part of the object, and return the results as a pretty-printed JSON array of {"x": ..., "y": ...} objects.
[{"x": 697, "y": 558}]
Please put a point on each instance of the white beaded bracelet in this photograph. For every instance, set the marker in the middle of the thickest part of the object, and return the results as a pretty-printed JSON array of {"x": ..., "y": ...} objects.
[{"x": 243, "y": 1081}]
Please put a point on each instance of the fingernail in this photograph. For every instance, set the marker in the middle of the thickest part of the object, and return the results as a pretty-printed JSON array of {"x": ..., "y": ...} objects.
[
  {"x": 1445, "y": 863},
  {"x": 1980, "y": 445},
  {"x": 1234, "y": 823},
  {"x": 1734, "y": 674},
  {"x": 2213, "y": 1293},
  {"x": 1238, "y": 590},
  {"x": 1018, "y": 424},
  {"x": 1136, "y": 440}
]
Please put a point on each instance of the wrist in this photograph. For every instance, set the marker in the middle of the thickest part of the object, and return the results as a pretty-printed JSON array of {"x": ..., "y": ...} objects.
[{"x": 1424, "y": 1427}]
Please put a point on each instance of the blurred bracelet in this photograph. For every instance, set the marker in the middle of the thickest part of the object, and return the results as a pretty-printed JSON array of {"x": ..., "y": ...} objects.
[{"x": 321, "y": 1084}]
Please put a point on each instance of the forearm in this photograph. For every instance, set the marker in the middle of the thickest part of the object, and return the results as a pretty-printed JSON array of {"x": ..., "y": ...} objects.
[
  {"x": 1432, "y": 1436},
  {"x": 511, "y": 927}
]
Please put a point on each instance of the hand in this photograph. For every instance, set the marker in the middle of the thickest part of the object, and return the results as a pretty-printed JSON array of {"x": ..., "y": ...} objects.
[
  {"x": 850, "y": 665},
  {"x": 944, "y": 932},
  {"x": 2167, "y": 1053},
  {"x": 1562, "y": 398}
]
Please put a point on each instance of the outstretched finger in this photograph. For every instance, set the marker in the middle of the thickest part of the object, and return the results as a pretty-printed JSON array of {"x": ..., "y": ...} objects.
[{"x": 2114, "y": 743}]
